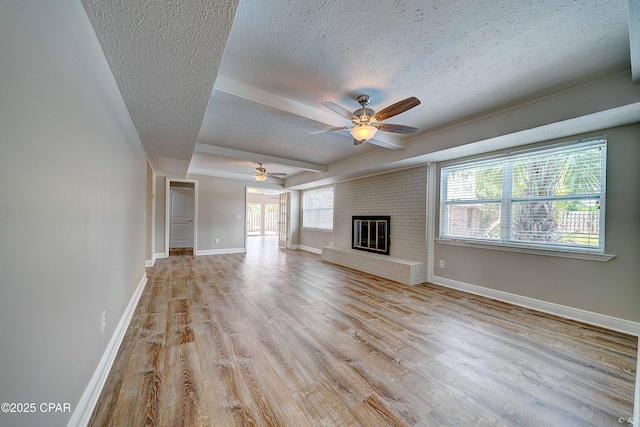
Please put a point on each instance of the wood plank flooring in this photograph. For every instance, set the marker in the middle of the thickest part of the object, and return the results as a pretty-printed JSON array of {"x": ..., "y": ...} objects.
[{"x": 280, "y": 338}]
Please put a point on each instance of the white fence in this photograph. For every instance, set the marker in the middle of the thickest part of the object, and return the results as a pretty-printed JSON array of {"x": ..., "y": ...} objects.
[
  {"x": 583, "y": 222},
  {"x": 254, "y": 219}
]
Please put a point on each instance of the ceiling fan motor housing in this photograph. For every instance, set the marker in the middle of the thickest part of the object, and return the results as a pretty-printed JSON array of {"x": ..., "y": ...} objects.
[
  {"x": 363, "y": 100},
  {"x": 363, "y": 114}
]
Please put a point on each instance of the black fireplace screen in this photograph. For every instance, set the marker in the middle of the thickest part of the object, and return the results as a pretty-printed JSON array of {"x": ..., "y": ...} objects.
[{"x": 371, "y": 233}]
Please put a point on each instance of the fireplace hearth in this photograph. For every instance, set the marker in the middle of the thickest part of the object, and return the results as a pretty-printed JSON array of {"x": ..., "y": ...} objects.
[{"x": 371, "y": 233}]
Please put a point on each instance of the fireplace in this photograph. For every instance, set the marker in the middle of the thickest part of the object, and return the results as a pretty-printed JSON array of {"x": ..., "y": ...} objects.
[{"x": 371, "y": 233}]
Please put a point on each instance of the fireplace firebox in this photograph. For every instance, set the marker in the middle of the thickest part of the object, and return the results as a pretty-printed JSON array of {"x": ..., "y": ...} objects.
[{"x": 371, "y": 233}]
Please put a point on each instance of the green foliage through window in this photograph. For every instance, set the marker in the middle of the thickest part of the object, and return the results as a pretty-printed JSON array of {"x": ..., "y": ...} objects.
[{"x": 549, "y": 198}]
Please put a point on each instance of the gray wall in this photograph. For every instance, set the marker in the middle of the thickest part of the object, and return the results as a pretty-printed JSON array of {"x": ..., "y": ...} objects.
[
  {"x": 150, "y": 211},
  {"x": 295, "y": 219},
  {"x": 610, "y": 288},
  {"x": 161, "y": 219},
  {"x": 314, "y": 238},
  {"x": 219, "y": 201},
  {"x": 72, "y": 228}
]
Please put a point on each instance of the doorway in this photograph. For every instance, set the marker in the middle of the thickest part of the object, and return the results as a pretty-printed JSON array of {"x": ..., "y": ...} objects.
[
  {"x": 263, "y": 215},
  {"x": 181, "y": 217},
  {"x": 262, "y": 219}
]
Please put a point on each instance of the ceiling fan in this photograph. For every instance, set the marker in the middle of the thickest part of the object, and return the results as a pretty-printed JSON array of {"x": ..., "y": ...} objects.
[
  {"x": 261, "y": 174},
  {"x": 366, "y": 122}
]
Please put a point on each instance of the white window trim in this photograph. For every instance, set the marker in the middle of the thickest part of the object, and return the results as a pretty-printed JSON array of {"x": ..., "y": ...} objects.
[
  {"x": 527, "y": 247},
  {"x": 546, "y": 252},
  {"x": 302, "y": 210}
]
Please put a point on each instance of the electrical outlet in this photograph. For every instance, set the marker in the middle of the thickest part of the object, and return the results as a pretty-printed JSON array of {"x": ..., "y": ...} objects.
[
  {"x": 103, "y": 320},
  {"x": 441, "y": 263},
  {"x": 217, "y": 240}
]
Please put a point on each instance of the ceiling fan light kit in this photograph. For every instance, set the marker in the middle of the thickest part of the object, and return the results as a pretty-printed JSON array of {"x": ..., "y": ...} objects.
[
  {"x": 363, "y": 132},
  {"x": 261, "y": 174},
  {"x": 366, "y": 121}
]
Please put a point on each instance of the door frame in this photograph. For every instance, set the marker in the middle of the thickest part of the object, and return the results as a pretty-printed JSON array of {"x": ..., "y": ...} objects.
[
  {"x": 287, "y": 216},
  {"x": 168, "y": 208},
  {"x": 275, "y": 191}
]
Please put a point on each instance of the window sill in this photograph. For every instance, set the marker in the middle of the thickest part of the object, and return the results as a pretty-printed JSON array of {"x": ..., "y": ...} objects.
[
  {"x": 561, "y": 254},
  {"x": 317, "y": 229}
]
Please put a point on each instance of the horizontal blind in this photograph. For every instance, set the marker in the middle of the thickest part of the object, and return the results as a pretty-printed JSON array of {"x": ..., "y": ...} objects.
[
  {"x": 550, "y": 198},
  {"x": 317, "y": 208}
]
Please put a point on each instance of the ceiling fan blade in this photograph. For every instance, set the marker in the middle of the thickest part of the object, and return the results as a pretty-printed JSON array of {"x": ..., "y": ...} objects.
[
  {"x": 397, "y": 108},
  {"x": 388, "y": 127},
  {"x": 330, "y": 130},
  {"x": 340, "y": 110},
  {"x": 277, "y": 174}
]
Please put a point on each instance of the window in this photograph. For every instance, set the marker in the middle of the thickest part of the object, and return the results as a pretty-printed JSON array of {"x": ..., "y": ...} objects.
[
  {"x": 549, "y": 198},
  {"x": 317, "y": 209}
]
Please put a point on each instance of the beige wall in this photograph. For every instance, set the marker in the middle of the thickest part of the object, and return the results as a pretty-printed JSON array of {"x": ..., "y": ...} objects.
[
  {"x": 609, "y": 288},
  {"x": 72, "y": 227}
]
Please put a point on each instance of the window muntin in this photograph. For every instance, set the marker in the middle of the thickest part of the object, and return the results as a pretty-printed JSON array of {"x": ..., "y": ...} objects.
[
  {"x": 549, "y": 198},
  {"x": 317, "y": 209}
]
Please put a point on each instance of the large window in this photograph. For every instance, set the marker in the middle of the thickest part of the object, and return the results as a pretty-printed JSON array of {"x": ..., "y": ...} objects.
[
  {"x": 547, "y": 198},
  {"x": 317, "y": 209}
]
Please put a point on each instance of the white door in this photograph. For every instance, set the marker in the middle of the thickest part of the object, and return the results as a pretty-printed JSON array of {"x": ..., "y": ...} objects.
[
  {"x": 181, "y": 217},
  {"x": 283, "y": 220}
]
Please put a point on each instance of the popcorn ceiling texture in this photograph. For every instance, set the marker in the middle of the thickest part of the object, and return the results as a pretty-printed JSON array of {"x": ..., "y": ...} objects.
[
  {"x": 165, "y": 57},
  {"x": 463, "y": 59}
]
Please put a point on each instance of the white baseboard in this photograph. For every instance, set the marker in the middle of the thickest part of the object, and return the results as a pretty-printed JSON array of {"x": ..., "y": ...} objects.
[
  {"x": 608, "y": 322},
  {"x": 222, "y": 251},
  {"x": 152, "y": 261},
  {"x": 307, "y": 248},
  {"x": 636, "y": 402},
  {"x": 89, "y": 399}
]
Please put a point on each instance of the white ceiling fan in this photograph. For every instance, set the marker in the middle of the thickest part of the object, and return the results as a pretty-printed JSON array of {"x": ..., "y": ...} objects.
[
  {"x": 261, "y": 174},
  {"x": 366, "y": 122}
]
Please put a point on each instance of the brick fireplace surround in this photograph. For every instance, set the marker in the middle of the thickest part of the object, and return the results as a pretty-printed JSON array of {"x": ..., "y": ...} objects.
[{"x": 403, "y": 196}]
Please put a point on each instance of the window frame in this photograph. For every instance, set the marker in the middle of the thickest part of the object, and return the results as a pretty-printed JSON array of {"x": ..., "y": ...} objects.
[
  {"x": 507, "y": 200},
  {"x": 318, "y": 191}
]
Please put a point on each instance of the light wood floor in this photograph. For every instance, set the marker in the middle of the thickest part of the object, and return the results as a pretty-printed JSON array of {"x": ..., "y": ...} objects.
[{"x": 280, "y": 338}]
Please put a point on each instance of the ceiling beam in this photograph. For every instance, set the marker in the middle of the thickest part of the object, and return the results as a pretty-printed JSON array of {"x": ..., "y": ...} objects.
[
  {"x": 322, "y": 115},
  {"x": 259, "y": 158},
  {"x": 634, "y": 39},
  {"x": 387, "y": 142},
  {"x": 233, "y": 87}
]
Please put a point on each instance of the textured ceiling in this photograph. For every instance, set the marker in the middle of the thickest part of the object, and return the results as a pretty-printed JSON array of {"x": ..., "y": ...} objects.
[
  {"x": 275, "y": 62},
  {"x": 245, "y": 125},
  {"x": 165, "y": 57},
  {"x": 458, "y": 57}
]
